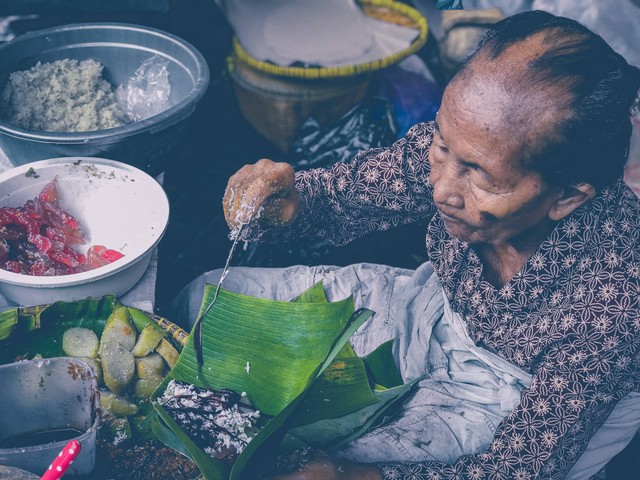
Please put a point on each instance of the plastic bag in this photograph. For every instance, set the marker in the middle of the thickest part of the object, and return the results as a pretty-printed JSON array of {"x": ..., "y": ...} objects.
[
  {"x": 412, "y": 91},
  {"x": 147, "y": 91},
  {"x": 369, "y": 124}
]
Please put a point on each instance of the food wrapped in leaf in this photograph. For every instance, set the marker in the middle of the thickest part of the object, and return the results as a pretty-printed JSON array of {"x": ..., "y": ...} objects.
[
  {"x": 144, "y": 387},
  {"x": 119, "y": 329},
  {"x": 118, "y": 366},
  {"x": 294, "y": 363},
  {"x": 116, "y": 405},
  {"x": 37, "y": 331},
  {"x": 151, "y": 366}
]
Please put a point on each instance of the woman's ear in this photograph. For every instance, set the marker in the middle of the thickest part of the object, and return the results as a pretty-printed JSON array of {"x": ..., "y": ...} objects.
[{"x": 571, "y": 198}]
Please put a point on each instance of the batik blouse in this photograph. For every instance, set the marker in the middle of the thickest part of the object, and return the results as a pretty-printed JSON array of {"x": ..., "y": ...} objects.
[{"x": 570, "y": 317}]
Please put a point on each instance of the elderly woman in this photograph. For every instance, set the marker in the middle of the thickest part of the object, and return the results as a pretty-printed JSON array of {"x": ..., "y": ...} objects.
[{"x": 524, "y": 326}]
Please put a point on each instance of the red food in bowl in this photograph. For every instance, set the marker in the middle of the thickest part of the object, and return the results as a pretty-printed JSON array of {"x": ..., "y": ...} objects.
[{"x": 37, "y": 239}]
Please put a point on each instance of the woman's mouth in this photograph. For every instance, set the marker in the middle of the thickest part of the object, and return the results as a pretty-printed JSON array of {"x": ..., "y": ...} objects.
[{"x": 448, "y": 218}]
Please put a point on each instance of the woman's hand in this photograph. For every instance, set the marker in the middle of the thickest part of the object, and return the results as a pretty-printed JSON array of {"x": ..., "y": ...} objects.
[
  {"x": 332, "y": 470},
  {"x": 323, "y": 467},
  {"x": 265, "y": 184}
]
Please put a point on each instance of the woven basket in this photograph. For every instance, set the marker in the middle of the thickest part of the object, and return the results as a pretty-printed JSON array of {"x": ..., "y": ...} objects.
[{"x": 276, "y": 100}]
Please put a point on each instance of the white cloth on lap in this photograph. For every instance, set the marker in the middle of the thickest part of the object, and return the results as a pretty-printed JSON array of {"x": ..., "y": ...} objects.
[
  {"x": 466, "y": 390},
  {"x": 462, "y": 399}
]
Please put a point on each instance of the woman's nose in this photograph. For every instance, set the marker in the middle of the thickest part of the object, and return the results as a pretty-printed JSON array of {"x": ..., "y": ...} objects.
[{"x": 446, "y": 186}]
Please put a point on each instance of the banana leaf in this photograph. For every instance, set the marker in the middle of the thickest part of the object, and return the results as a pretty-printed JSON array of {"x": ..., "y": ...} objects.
[
  {"x": 268, "y": 349},
  {"x": 345, "y": 386},
  {"x": 29, "y": 331},
  {"x": 294, "y": 363},
  {"x": 314, "y": 294},
  {"x": 271, "y": 350},
  {"x": 382, "y": 368},
  {"x": 37, "y": 330},
  {"x": 332, "y": 433},
  {"x": 339, "y": 408}
]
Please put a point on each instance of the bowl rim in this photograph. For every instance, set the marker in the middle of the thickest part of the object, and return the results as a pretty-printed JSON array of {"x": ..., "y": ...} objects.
[
  {"x": 160, "y": 121},
  {"x": 57, "y": 281}
]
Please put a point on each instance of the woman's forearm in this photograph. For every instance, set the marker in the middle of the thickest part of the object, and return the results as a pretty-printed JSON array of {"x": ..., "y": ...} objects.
[{"x": 380, "y": 188}]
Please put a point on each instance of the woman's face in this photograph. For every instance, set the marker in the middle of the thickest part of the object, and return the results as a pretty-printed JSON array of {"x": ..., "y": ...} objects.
[{"x": 482, "y": 190}]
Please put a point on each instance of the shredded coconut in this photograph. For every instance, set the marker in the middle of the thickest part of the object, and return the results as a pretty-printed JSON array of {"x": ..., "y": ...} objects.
[
  {"x": 221, "y": 421},
  {"x": 61, "y": 96}
]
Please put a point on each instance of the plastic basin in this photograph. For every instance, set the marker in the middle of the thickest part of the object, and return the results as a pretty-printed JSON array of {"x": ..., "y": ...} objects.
[
  {"x": 148, "y": 144},
  {"x": 44, "y": 395}
]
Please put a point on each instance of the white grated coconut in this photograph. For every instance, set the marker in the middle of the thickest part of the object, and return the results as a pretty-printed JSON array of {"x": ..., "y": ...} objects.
[{"x": 61, "y": 96}]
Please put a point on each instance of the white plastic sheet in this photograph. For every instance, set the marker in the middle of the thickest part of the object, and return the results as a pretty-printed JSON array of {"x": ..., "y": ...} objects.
[{"x": 324, "y": 33}]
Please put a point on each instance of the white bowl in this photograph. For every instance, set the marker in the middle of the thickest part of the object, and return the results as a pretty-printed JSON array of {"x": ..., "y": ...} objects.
[{"x": 117, "y": 205}]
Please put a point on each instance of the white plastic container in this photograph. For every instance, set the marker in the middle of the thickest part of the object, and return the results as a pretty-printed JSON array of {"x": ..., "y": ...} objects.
[{"x": 117, "y": 205}]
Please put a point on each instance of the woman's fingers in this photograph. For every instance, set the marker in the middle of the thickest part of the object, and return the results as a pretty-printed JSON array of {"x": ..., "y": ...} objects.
[
  {"x": 254, "y": 196},
  {"x": 260, "y": 185},
  {"x": 232, "y": 191},
  {"x": 281, "y": 210}
]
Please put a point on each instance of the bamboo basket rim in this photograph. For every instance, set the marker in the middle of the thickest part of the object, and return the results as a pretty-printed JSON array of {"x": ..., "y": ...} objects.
[{"x": 344, "y": 70}]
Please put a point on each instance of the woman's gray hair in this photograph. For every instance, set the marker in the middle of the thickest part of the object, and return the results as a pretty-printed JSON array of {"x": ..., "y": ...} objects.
[{"x": 592, "y": 145}]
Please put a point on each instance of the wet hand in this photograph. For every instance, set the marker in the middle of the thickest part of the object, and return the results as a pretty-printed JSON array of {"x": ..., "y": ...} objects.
[
  {"x": 321, "y": 466},
  {"x": 317, "y": 470},
  {"x": 264, "y": 190}
]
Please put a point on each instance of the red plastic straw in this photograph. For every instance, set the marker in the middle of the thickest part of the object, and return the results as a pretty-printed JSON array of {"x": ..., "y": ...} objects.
[{"x": 62, "y": 461}]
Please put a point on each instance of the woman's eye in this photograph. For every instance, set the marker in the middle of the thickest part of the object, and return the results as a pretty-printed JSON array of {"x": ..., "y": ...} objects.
[{"x": 471, "y": 166}]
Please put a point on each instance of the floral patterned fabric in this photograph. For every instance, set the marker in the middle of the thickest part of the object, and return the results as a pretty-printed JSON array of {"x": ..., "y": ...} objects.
[{"x": 570, "y": 316}]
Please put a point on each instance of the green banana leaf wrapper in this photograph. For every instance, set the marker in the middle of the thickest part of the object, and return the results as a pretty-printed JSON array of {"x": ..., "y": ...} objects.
[
  {"x": 294, "y": 362},
  {"x": 29, "y": 331}
]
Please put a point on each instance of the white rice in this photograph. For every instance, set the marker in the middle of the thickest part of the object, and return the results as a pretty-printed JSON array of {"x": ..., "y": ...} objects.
[{"x": 61, "y": 96}]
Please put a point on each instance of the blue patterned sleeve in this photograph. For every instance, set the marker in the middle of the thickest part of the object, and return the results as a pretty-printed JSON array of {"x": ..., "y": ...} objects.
[{"x": 380, "y": 189}]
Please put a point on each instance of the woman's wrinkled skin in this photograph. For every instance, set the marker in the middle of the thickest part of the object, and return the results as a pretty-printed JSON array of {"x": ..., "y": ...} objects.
[
  {"x": 265, "y": 189},
  {"x": 320, "y": 466}
]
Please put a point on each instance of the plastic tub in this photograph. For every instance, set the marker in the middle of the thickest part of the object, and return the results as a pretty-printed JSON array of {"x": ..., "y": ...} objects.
[
  {"x": 121, "y": 48},
  {"x": 276, "y": 100},
  {"x": 276, "y": 106},
  {"x": 12, "y": 473},
  {"x": 54, "y": 394}
]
